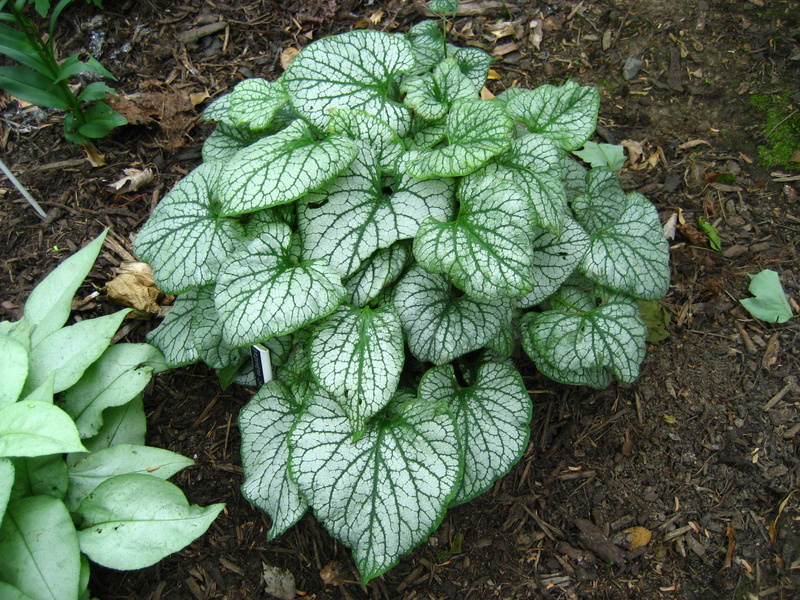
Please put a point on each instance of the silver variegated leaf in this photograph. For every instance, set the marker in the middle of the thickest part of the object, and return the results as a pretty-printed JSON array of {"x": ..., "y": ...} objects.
[
  {"x": 185, "y": 240},
  {"x": 486, "y": 251},
  {"x": 573, "y": 175},
  {"x": 441, "y": 325},
  {"x": 355, "y": 70},
  {"x": 566, "y": 114},
  {"x": 265, "y": 422},
  {"x": 361, "y": 126},
  {"x": 475, "y": 130},
  {"x": 493, "y": 418},
  {"x": 254, "y": 102},
  {"x": 175, "y": 334},
  {"x": 378, "y": 271},
  {"x": 353, "y": 217},
  {"x": 473, "y": 62},
  {"x": 357, "y": 355},
  {"x": 427, "y": 44},
  {"x": 225, "y": 141},
  {"x": 280, "y": 168},
  {"x": 427, "y": 135},
  {"x": 384, "y": 494},
  {"x": 601, "y": 202},
  {"x": 430, "y": 95}
]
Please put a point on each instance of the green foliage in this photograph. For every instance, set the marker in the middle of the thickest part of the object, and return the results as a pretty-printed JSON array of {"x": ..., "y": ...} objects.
[
  {"x": 769, "y": 302},
  {"x": 392, "y": 239},
  {"x": 41, "y": 80},
  {"x": 781, "y": 130},
  {"x": 76, "y": 478},
  {"x": 602, "y": 155}
]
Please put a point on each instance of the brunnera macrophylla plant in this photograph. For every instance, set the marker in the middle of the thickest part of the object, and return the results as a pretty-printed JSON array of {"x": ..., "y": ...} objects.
[{"x": 392, "y": 238}]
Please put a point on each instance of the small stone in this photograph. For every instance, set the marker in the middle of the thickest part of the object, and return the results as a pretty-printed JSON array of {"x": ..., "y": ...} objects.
[
  {"x": 735, "y": 251},
  {"x": 631, "y": 68}
]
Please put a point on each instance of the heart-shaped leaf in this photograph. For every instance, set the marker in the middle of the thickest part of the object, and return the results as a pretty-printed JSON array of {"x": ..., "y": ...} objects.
[
  {"x": 254, "y": 102},
  {"x": 375, "y": 273},
  {"x": 363, "y": 127},
  {"x": 432, "y": 94}
]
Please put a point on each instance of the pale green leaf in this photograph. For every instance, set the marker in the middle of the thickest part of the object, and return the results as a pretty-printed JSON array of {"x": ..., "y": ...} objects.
[
  {"x": 40, "y": 475},
  {"x": 357, "y": 355},
  {"x": 50, "y": 302},
  {"x": 476, "y": 131},
  {"x": 295, "y": 373},
  {"x": 566, "y": 114},
  {"x": 69, "y": 351},
  {"x": 119, "y": 375},
  {"x": 89, "y": 472},
  {"x": 185, "y": 240},
  {"x": 493, "y": 418},
  {"x": 125, "y": 424},
  {"x": 39, "y": 546},
  {"x": 13, "y": 369},
  {"x": 601, "y": 201},
  {"x": 611, "y": 156},
  {"x": 439, "y": 323},
  {"x": 486, "y": 251},
  {"x": 265, "y": 422},
  {"x": 426, "y": 135},
  {"x": 375, "y": 273},
  {"x": 280, "y": 168},
  {"x": 6, "y": 482},
  {"x": 254, "y": 102},
  {"x": 357, "y": 70},
  {"x": 769, "y": 303},
  {"x": 9, "y": 592},
  {"x": 431, "y": 95},
  {"x": 354, "y": 216},
  {"x": 384, "y": 494},
  {"x": 133, "y": 521},
  {"x": 361, "y": 126},
  {"x": 33, "y": 428},
  {"x": 262, "y": 294}
]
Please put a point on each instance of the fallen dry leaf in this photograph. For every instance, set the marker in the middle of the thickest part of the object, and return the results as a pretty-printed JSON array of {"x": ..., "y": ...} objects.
[
  {"x": 135, "y": 286},
  {"x": 638, "y": 536},
  {"x": 504, "y": 49},
  {"x": 94, "y": 156},
  {"x": 331, "y": 574},
  {"x": 486, "y": 94},
  {"x": 278, "y": 582},
  {"x": 635, "y": 152},
  {"x": 670, "y": 227},
  {"x": 133, "y": 180},
  {"x": 692, "y": 144},
  {"x": 287, "y": 56}
]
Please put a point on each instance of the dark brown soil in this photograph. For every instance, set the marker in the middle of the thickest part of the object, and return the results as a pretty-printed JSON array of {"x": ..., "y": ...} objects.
[{"x": 702, "y": 451}]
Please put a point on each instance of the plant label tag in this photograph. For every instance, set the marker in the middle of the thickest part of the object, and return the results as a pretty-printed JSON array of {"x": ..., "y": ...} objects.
[{"x": 262, "y": 366}]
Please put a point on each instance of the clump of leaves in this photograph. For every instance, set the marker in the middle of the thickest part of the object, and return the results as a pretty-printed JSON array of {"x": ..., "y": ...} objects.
[
  {"x": 76, "y": 478},
  {"x": 781, "y": 130},
  {"x": 393, "y": 238},
  {"x": 41, "y": 80}
]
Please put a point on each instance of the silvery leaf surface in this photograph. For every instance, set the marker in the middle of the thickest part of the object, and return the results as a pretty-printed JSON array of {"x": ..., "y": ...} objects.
[
  {"x": 356, "y": 70},
  {"x": 441, "y": 325},
  {"x": 430, "y": 95},
  {"x": 254, "y": 102},
  {"x": 186, "y": 239},
  {"x": 357, "y": 355},
  {"x": 493, "y": 418},
  {"x": 265, "y": 422},
  {"x": 375, "y": 273},
  {"x": 427, "y": 44},
  {"x": 566, "y": 114},
  {"x": 175, "y": 335},
  {"x": 486, "y": 250},
  {"x": 361, "y": 126},
  {"x": 573, "y": 175},
  {"x": 476, "y": 130},
  {"x": 383, "y": 494},
  {"x": 473, "y": 62},
  {"x": 353, "y": 216},
  {"x": 225, "y": 141}
]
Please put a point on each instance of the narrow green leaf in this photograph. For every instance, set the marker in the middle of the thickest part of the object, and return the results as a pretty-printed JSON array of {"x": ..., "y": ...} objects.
[
  {"x": 493, "y": 418},
  {"x": 280, "y": 168},
  {"x": 711, "y": 233},
  {"x": 439, "y": 323},
  {"x": 13, "y": 369},
  {"x": 486, "y": 251},
  {"x": 17, "y": 46},
  {"x": 566, "y": 114},
  {"x": 476, "y": 131},
  {"x": 97, "y": 90},
  {"x": 30, "y": 86},
  {"x": 133, "y": 521},
  {"x": 41, "y": 557},
  {"x": 100, "y": 120},
  {"x": 6, "y": 482},
  {"x": 355, "y": 70},
  {"x": 34, "y": 428},
  {"x": 265, "y": 422},
  {"x": 357, "y": 355},
  {"x": 74, "y": 65},
  {"x": 769, "y": 303},
  {"x": 384, "y": 494}
]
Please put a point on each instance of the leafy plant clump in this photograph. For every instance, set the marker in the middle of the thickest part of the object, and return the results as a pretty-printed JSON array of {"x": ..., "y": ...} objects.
[
  {"x": 392, "y": 238},
  {"x": 77, "y": 482},
  {"x": 41, "y": 80}
]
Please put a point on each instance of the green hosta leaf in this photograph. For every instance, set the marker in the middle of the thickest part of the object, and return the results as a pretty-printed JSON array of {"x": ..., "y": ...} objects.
[
  {"x": 769, "y": 303},
  {"x": 611, "y": 335},
  {"x": 441, "y": 325},
  {"x": 555, "y": 259},
  {"x": 280, "y": 168},
  {"x": 357, "y": 355},
  {"x": 265, "y": 422},
  {"x": 119, "y": 375},
  {"x": 86, "y": 474},
  {"x": 486, "y": 251},
  {"x": 185, "y": 240},
  {"x": 226, "y": 140},
  {"x": 40, "y": 475},
  {"x": 430, "y": 95},
  {"x": 534, "y": 164},
  {"x": 566, "y": 114},
  {"x": 628, "y": 252},
  {"x": 476, "y": 131},
  {"x": 361, "y": 126},
  {"x": 473, "y": 62},
  {"x": 427, "y": 44},
  {"x": 611, "y": 156},
  {"x": 125, "y": 424},
  {"x": 9, "y": 592},
  {"x": 133, "y": 521},
  {"x": 356, "y": 70},
  {"x": 13, "y": 369},
  {"x": 375, "y": 273},
  {"x": 493, "y": 417},
  {"x": 69, "y": 351},
  {"x": 35, "y": 428},
  {"x": 254, "y": 102},
  {"x": 352, "y": 217},
  {"x": 39, "y": 546},
  {"x": 50, "y": 302},
  {"x": 262, "y": 294},
  {"x": 384, "y": 494}
]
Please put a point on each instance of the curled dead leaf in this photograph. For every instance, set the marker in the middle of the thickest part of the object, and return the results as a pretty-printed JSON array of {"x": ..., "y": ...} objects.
[
  {"x": 133, "y": 180},
  {"x": 638, "y": 536},
  {"x": 287, "y": 56},
  {"x": 692, "y": 144},
  {"x": 135, "y": 286},
  {"x": 331, "y": 574}
]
